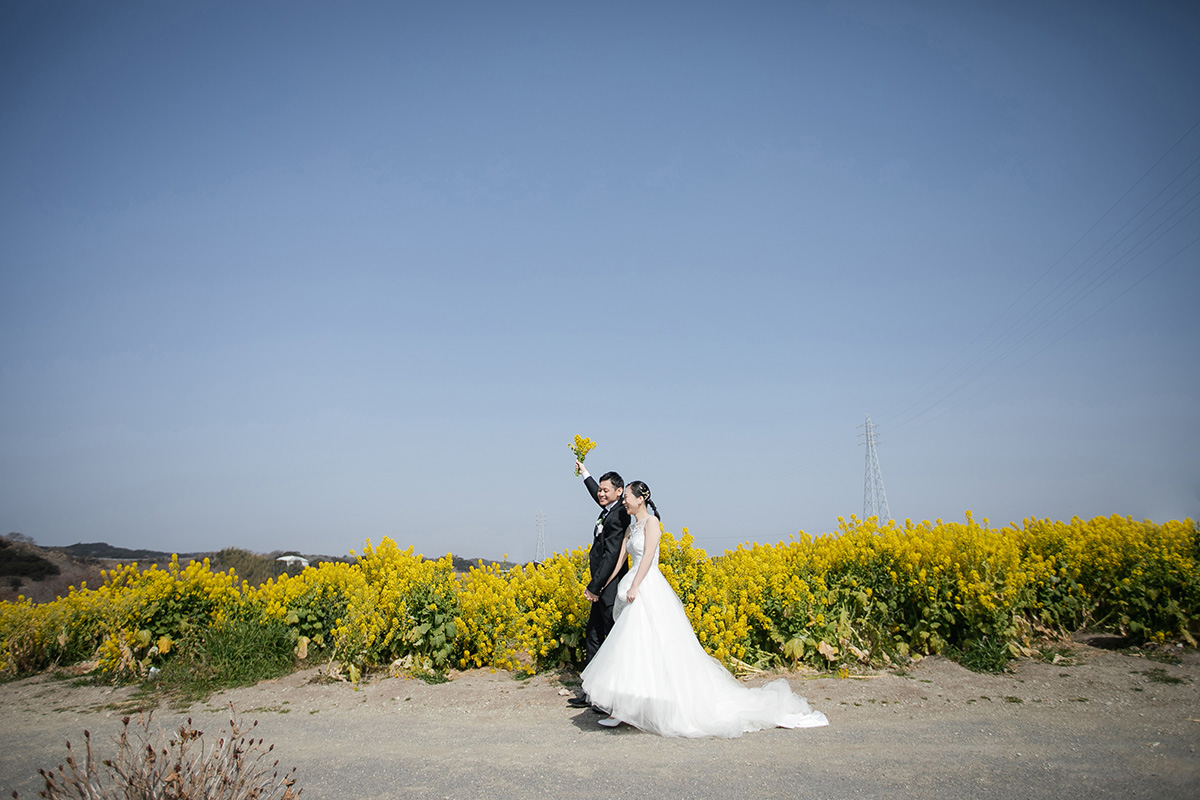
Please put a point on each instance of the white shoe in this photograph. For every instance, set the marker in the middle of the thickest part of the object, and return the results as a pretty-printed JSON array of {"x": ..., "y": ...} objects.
[{"x": 610, "y": 722}]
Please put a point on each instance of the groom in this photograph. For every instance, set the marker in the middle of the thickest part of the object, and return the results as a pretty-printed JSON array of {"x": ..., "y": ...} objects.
[{"x": 607, "y": 535}]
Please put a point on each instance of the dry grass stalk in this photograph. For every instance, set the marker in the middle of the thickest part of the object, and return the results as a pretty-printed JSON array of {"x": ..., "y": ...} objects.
[{"x": 154, "y": 766}]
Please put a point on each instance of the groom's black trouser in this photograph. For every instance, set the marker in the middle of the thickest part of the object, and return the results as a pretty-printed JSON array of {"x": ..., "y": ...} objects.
[{"x": 600, "y": 622}]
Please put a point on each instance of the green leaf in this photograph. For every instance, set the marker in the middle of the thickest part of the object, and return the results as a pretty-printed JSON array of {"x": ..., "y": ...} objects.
[{"x": 794, "y": 649}]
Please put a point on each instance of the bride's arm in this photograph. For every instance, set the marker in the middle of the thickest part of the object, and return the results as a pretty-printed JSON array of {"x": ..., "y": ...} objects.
[
  {"x": 653, "y": 531},
  {"x": 619, "y": 564}
]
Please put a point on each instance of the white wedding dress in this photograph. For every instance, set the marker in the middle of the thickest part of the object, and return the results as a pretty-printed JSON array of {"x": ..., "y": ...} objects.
[{"x": 652, "y": 673}]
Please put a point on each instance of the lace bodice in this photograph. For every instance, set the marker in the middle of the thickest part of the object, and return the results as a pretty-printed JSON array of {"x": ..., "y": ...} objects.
[{"x": 637, "y": 545}]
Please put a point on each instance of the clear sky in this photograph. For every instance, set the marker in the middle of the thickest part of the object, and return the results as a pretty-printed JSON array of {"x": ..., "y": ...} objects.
[{"x": 290, "y": 275}]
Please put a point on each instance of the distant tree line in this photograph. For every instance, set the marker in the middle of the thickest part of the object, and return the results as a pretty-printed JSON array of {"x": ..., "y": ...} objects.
[
  {"x": 106, "y": 550},
  {"x": 256, "y": 568},
  {"x": 20, "y": 558}
]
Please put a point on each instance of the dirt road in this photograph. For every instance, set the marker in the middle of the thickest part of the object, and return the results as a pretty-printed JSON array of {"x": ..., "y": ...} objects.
[{"x": 1099, "y": 724}]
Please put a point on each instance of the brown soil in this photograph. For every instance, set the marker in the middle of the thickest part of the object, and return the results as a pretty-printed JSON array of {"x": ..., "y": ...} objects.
[{"x": 1097, "y": 724}]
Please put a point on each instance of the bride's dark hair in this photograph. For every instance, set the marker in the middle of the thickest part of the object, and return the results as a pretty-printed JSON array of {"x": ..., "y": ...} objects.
[{"x": 640, "y": 489}]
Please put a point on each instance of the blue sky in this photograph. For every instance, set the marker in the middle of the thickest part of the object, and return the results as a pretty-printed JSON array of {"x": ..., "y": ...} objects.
[{"x": 294, "y": 275}]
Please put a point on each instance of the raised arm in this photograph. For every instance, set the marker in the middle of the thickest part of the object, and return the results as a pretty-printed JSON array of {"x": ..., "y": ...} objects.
[
  {"x": 653, "y": 532},
  {"x": 589, "y": 482}
]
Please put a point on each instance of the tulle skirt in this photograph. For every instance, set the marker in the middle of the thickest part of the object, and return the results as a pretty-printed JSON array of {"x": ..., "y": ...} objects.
[{"x": 652, "y": 673}]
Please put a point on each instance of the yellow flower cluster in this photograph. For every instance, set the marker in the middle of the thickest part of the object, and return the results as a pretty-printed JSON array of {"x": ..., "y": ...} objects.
[
  {"x": 132, "y": 617},
  {"x": 405, "y": 606},
  {"x": 313, "y": 602},
  {"x": 525, "y": 618},
  {"x": 866, "y": 593},
  {"x": 703, "y": 587},
  {"x": 581, "y": 447}
]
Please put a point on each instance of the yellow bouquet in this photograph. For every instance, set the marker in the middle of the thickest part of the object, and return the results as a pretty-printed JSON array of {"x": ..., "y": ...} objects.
[{"x": 581, "y": 447}]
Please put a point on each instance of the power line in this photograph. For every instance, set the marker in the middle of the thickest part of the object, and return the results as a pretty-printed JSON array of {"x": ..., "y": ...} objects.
[
  {"x": 996, "y": 343},
  {"x": 1043, "y": 276},
  {"x": 1044, "y": 312},
  {"x": 1050, "y": 344}
]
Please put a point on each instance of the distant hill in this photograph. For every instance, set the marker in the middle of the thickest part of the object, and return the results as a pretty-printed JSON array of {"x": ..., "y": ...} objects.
[
  {"x": 43, "y": 573},
  {"x": 106, "y": 550},
  {"x": 20, "y": 560},
  {"x": 464, "y": 564}
]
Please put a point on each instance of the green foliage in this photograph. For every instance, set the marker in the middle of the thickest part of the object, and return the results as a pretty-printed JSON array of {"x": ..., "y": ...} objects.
[
  {"x": 1056, "y": 654},
  {"x": 1160, "y": 675},
  {"x": 432, "y": 608},
  {"x": 833, "y": 625},
  {"x": 864, "y": 595},
  {"x": 225, "y": 655},
  {"x": 985, "y": 654},
  {"x": 313, "y": 617}
]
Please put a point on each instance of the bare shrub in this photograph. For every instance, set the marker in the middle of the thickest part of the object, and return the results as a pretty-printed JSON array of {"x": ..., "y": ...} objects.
[
  {"x": 152, "y": 764},
  {"x": 253, "y": 568}
]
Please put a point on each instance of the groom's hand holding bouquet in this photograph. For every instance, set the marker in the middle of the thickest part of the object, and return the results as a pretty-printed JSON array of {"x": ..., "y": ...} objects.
[{"x": 581, "y": 447}]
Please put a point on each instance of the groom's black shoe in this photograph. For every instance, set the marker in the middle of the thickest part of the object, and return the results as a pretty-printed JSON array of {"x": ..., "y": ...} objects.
[{"x": 578, "y": 702}]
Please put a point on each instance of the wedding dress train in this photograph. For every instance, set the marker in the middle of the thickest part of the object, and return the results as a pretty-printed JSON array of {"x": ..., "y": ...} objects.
[{"x": 652, "y": 673}]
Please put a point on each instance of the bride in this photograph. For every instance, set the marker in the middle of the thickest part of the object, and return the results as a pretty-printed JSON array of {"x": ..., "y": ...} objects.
[{"x": 651, "y": 671}]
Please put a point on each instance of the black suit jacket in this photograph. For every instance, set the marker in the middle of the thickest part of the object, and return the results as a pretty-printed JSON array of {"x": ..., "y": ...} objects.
[{"x": 606, "y": 546}]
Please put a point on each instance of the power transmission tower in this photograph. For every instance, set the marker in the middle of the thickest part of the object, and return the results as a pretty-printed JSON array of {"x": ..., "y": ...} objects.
[
  {"x": 874, "y": 497},
  {"x": 540, "y": 552}
]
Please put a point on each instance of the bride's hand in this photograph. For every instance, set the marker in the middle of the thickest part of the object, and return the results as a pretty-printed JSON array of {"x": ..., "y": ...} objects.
[{"x": 631, "y": 595}]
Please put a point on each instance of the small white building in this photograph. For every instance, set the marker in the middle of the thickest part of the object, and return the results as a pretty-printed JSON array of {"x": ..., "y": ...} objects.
[{"x": 290, "y": 564}]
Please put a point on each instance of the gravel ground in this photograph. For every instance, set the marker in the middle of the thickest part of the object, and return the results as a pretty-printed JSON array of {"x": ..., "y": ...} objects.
[{"x": 1099, "y": 724}]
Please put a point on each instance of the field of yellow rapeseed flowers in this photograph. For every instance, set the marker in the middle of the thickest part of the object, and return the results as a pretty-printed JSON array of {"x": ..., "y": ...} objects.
[{"x": 866, "y": 594}]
